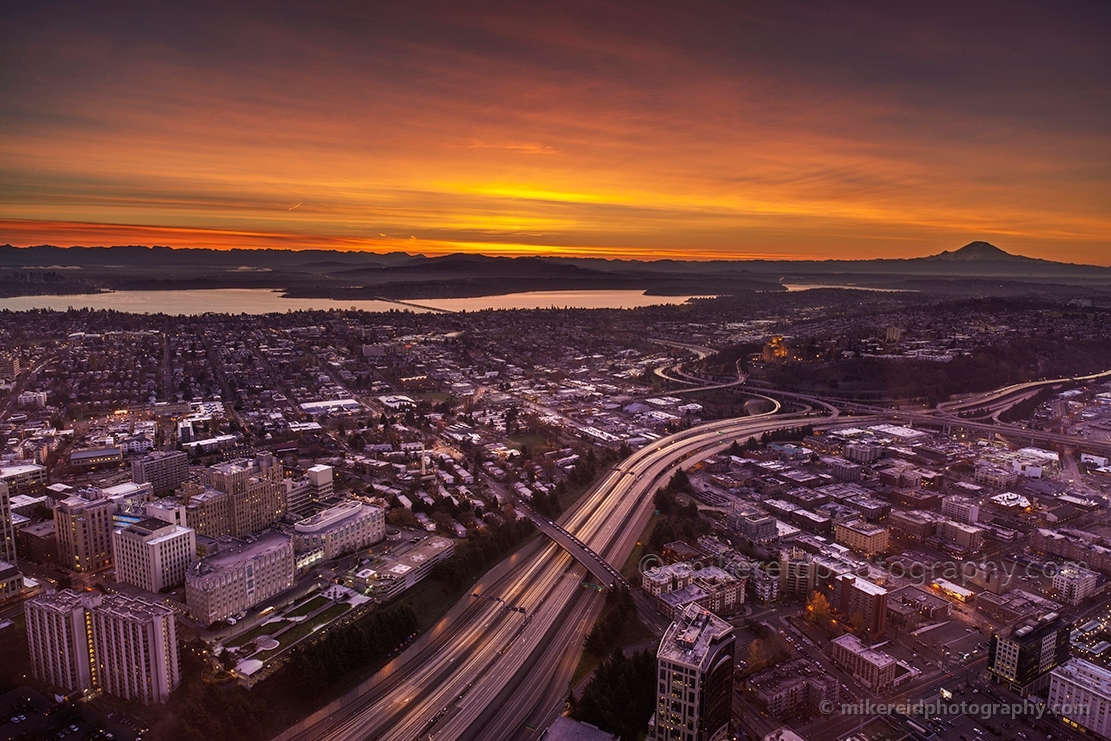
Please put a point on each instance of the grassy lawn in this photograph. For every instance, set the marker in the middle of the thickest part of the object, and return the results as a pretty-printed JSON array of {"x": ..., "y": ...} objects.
[
  {"x": 535, "y": 443},
  {"x": 435, "y": 397},
  {"x": 313, "y": 604},
  {"x": 258, "y": 630},
  {"x": 295, "y": 634}
]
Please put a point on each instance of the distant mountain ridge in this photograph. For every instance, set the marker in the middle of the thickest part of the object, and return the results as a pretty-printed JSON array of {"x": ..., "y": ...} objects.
[
  {"x": 324, "y": 273},
  {"x": 43, "y": 255}
]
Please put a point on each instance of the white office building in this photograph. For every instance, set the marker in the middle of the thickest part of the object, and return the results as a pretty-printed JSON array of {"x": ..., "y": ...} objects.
[
  {"x": 1080, "y": 693},
  {"x": 152, "y": 554},
  {"x": 1074, "y": 584},
  {"x": 340, "y": 530}
]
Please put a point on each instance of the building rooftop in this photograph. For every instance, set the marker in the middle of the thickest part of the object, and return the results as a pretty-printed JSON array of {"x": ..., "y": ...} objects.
[
  {"x": 331, "y": 516},
  {"x": 689, "y": 638},
  {"x": 566, "y": 729},
  {"x": 234, "y": 552},
  {"x": 1092, "y": 676},
  {"x": 872, "y": 656},
  {"x": 862, "y": 527},
  {"x": 868, "y": 587},
  {"x": 133, "y": 608}
]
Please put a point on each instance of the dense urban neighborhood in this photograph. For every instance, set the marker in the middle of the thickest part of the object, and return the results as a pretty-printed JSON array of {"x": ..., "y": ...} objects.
[{"x": 829, "y": 515}]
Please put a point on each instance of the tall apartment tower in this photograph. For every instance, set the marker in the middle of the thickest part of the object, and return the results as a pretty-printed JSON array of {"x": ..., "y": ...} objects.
[
  {"x": 165, "y": 470},
  {"x": 857, "y": 598},
  {"x": 136, "y": 652},
  {"x": 60, "y": 638},
  {"x": 7, "y": 530},
  {"x": 84, "y": 532},
  {"x": 152, "y": 554},
  {"x": 119, "y": 644},
  {"x": 694, "y": 679}
]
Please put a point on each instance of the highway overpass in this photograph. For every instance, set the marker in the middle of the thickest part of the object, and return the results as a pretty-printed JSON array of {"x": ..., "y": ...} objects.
[
  {"x": 484, "y": 672},
  {"x": 599, "y": 567}
]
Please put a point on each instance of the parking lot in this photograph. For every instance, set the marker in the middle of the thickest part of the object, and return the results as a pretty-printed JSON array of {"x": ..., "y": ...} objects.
[{"x": 25, "y": 713}]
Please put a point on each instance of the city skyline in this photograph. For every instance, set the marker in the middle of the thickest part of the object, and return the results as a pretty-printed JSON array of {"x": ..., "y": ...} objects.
[{"x": 711, "y": 132}]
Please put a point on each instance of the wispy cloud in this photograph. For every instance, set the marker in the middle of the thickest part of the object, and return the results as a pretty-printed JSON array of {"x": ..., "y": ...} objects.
[{"x": 707, "y": 130}]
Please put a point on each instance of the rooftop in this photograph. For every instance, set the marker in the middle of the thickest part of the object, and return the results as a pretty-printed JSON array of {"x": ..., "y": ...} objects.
[
  {"x": 234, "y": 552},
  {"x": 872, "y": 656},
  {"x": 688, "y": 640}
]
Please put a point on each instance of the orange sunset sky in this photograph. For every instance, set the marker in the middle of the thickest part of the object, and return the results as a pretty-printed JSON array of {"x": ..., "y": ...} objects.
[{"x": 647, "y": 130}]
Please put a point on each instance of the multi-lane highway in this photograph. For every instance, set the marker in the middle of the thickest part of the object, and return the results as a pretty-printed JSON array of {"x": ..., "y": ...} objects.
[
  {"x": 484, "y": 653},
  {"x": 490, "y": 672},
  {"x": 980, "y": 401}
]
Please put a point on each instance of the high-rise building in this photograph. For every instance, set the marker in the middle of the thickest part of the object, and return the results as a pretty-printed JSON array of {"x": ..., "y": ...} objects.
[
  {"x": 256, "y": 494},
  {"x": 796, "y": 572},
  {"x": 60, "y": 639},
  {"x": 1022, "y": 656},
  {"x": 136, "y": 651},
  {"x": 152, "y": 554},
  {"x": 7, "y": 529},
  {"x": 9, "y": 367},
  {"x": 298, "y": 497},
  {"x": 315, "y": 486},
  {"x": 119, "y": 644},
  {"x": 207, "y": 510},
  {"x": 84, "y": 531},
  {"x": 26, "y": 478},
  {"x": 342, "y": 529},
  {"x": 965, "y": 537},
  {"x": 320, "y": 476},
  {"x": 960, "y": 508},
  {"x": 694, "y": 679},
  {"x": 855, "y": 596},
  {"x": 165, "y": 470},
  {"x": 239, "y": 576},
  {"x": 1080, "y": 692}
]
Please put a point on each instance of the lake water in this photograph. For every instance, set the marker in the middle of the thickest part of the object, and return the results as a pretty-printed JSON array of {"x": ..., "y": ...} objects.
[
  {"x": 266, "y": 301},
  {"x": 811, "y": 286}
]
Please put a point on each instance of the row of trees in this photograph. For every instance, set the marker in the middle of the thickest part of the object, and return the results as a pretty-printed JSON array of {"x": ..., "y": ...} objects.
[
  {"x": 482, "y": 549},
  {"x": 317, "y": 665}
]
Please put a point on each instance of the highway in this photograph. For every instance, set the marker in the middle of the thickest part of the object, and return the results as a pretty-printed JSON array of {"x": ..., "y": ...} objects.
[
  {"x": 486, "y": 671},
  {"x": 978, "y": 401},
  {"x": 484, "y": 653}
]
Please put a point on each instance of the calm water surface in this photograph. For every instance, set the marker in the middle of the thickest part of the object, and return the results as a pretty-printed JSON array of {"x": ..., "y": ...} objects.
[
  {"x": 811, "y": 286},
  {"x": 266, "y": 301}
]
